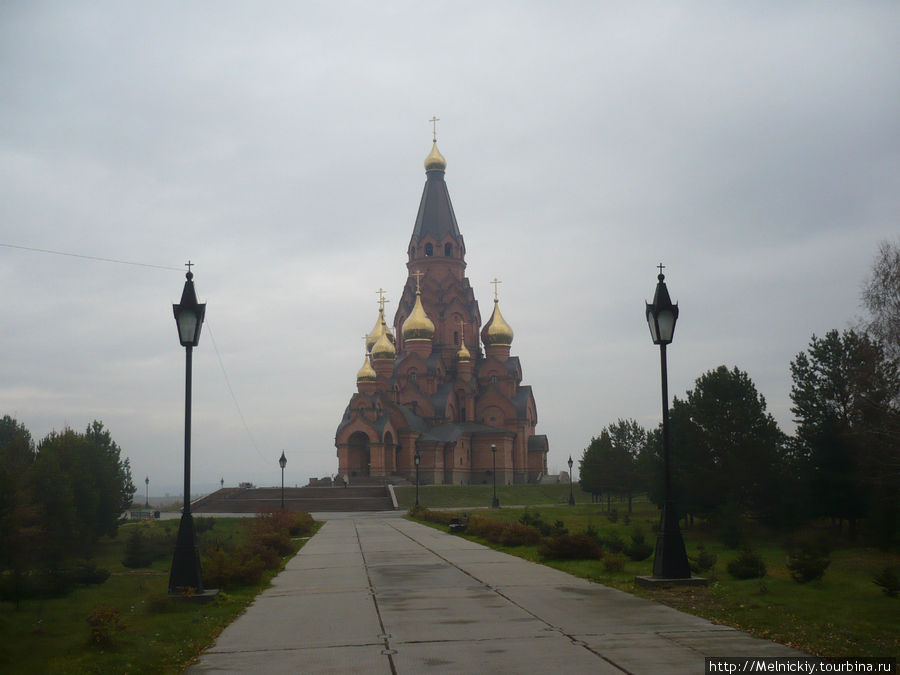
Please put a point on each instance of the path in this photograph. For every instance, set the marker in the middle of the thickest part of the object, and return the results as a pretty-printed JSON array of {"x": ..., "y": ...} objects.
[{"x": 374, "y": 593}]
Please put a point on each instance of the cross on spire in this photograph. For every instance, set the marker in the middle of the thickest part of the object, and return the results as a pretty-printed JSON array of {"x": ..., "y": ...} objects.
[
  {"x": 495, "y": 282},
  {"x": 381, "y": 299},
  {"x": 661, "y": 267},
  {"x": 434, "y": 121},
  {"x": 189, "y": 264},
  {"x": 418, "y": 275}
]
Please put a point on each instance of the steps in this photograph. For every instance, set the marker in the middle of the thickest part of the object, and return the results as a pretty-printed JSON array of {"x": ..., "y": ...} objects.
[{"x": 239, "y": 500}]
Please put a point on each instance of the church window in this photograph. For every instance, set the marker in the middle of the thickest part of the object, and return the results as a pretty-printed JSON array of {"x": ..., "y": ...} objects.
[
  {"x": 412, "y": 376},
  {"x": 448, "y": 250},
  {"x": 493, "y": 379},
  {"x": 462, "y": 415},
  {"x": 456, "y": 337},
  {"x": 429, "y": 250}
]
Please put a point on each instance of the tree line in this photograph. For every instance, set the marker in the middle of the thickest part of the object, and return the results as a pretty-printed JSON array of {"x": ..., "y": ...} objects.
[
  {"x": 57, "y": 497},
  {"x": 730, "y": 461}
]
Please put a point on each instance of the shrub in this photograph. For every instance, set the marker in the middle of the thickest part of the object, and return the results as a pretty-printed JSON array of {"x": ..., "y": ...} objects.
[
  {"x": 613, "y": 543},
  {"x": 613, "y": 515},
  {"x": 889, "y": 581},
  {"x": 104, "y": 621},
  {"x": 614, "y": 562},
  {"x": 571, "y": 547},
  {"x": 638, "y": 549},
  {"x": 202, "y": 524},
  {"x": 232, "y": 569},
  {"x": 137, "y": 550},
  {"x": 533, "y": 519},
  {"x": 516, "y": 534},
  {"x": 703, "y": 561},
  {"x": 87, "y": 573},
  {"x": 807, "y": 563},
  {"x": 748, "y": 565},
  {"x": 302, "y": 524},
  {"x": 439, "y": 517}
]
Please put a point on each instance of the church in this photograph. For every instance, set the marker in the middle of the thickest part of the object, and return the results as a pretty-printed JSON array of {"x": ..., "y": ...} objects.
[{"x": 436, "y": 388}]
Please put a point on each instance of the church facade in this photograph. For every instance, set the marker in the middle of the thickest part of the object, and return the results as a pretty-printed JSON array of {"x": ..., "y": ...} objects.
[{"x": 437, "y": 384}]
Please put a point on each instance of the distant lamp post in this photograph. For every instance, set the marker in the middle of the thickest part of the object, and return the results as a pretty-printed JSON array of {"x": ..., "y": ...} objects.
[
  {"x": 221, "y": 482},
  {"x": 185, "y": 573},
  {"x": 670, "y": 561},
  {"x": 495, "y": 503},
  {"x": 282, "y": 462},
  {"x": 417, "y": 459},
  {"x": 571, "y": 490},
  {"x": 147, "y": 494}
]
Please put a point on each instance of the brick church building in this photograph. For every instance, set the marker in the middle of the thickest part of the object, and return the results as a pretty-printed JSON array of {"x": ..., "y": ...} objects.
[{"x": 426, "y": 385}]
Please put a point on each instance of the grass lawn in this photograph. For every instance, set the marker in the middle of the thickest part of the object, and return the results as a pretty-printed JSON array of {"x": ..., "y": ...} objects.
[
  {"x": 843, "y": 614},
  {"x": 158, "y": 635}
]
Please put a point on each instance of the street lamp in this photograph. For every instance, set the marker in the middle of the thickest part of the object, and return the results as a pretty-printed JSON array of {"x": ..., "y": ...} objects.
[
  {"x": 185, "y": 573},
  {"x": 147, "y": 494},
  {"x": 670, "y": 561},
  {"x": 416, "y": 459},
  {"x": 571, "y": 493},
  {"x": 282, "y": 462},
  {"x": 495, "y": 503}
]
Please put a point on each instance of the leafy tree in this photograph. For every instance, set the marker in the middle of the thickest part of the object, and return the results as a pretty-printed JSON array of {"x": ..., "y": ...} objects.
[
  {"x": 844, "y": 393},
  {"x": 881, "y": 297},
  {"x": 727, "y": 451},
  {"x": 611, "y": 460}
]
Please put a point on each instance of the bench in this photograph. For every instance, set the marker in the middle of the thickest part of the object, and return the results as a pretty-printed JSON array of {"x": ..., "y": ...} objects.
[{"x": 456, "y": 525}]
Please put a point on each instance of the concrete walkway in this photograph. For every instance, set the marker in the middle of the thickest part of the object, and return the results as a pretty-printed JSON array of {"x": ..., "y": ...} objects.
[{"x": 374, "y": 593}]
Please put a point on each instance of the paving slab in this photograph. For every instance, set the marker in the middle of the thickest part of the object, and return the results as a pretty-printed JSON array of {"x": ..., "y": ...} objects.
[{"x": 374, "y": 593}]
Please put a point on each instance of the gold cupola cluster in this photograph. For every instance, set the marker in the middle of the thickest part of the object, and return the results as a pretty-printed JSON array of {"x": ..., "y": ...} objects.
[
  {"x": 378, "y": 330},
  {"x": 463, "y": 353},
  {"x": 435, "y": 160},
  {"x": 417, "y": 325},
  {"x": 383, "y": 349},
  {"x": 497, "y": 331}
]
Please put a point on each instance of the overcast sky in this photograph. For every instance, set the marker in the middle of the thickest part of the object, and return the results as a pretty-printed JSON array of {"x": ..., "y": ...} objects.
[{"x": 752, "y": 147}]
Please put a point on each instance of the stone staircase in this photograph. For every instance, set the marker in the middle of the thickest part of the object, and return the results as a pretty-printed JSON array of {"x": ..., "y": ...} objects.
[{"x": 254, "y": 500}]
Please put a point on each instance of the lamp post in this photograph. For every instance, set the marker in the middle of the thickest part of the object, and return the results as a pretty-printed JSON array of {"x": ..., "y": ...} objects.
[
  {"x": 670, "y": 561},
  {"x": 417, "y": 459},
  {"x": 147, "y": 494},
  {"x": 282, "y": 462},
  {"x": 495, "y": 503},
  {"x": 571, "y": 492},
  {"x": 185, "y": 573}
]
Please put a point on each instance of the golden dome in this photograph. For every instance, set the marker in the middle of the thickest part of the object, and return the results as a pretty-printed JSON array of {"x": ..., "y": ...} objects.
[
  {"x": 417, "y": 325},
  {"x": 379, "y": 330},
  {"x": 463, "y": 353},
  {"x": 435, "y": 160},
  {"x": 497, "y": 331},
  {"x": 383, "y": 350},
  {"x": 367, "y": 372}
]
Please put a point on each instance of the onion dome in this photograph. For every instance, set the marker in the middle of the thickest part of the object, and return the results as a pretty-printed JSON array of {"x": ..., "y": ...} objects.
[
  {"x": 435, "y": 160},
  {"x": 367, "y": 372},
  {"x": 417, "y": 325},
  {"x": 497, "y": 331},
  {"x": 463, "y": 353},
  {"x": 383, "y": 349},
  {"x": 379, "y": 330}
]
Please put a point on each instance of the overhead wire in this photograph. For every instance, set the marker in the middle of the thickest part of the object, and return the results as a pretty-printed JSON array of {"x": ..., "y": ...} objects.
[{"x": 160, "y": 267}]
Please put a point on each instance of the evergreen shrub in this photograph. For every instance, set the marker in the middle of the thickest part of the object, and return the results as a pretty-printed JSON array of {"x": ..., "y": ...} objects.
[
  {"x": 571, "y": 547},
  {"x": 748, "y": 565}
]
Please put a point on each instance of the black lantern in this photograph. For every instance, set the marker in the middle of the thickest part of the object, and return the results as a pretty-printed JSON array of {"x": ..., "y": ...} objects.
[
  {"x": 417, "y": 459},
  {"x": 670, "y": 561},
  {"x": 185, "y": 576},
  {"x": 571, "y": 492},
  {"x": 495, "y": 503},
  {"x": 282, "y": 462}
]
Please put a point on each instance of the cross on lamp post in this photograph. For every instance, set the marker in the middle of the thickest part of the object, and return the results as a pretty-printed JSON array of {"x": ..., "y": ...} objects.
[
  {"x": 495, "y": 503},
  {"x": 185, "y": 573},
  {"x": 571, "y": 493},
  {"x": 670, "y": 561},
  {"x": 282, "y": 462}
]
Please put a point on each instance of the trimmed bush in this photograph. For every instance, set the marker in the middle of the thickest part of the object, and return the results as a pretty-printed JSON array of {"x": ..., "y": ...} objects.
[
  {"x": 703, "y": 561},
  {"x": 748, "y": 565},
  {"x": 638, "y": 549},
  {"x": 614, "y": 562},
  {"x": 888, "y": 580},
  {"x": 104, "y": 621},
  {"x": 571, "y": 547},
  {"x": 807, "y": 563}
]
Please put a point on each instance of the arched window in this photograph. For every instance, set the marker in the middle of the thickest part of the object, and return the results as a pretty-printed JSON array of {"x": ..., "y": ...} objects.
[
  {"x": 456, "y": 337},
  {"x": 448, "y": 250},
  {"x": 429, "y": 250}
]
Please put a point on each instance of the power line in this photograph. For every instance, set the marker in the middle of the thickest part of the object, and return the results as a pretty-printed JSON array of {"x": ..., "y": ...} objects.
[{"x": 90, "y": 257}]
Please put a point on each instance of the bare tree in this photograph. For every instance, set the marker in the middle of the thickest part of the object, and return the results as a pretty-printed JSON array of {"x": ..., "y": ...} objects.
[{"x": 881, "y": 297}]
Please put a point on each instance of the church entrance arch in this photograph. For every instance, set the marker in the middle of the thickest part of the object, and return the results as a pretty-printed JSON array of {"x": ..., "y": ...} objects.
[{"x": 358, "y": 454}]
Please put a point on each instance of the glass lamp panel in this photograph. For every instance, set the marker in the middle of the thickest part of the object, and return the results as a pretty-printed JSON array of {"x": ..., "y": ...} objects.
[
  {"x": 187, "y": 326},
  {"x": 654, "y": 328},
  {"x": 666, "y": 321}
]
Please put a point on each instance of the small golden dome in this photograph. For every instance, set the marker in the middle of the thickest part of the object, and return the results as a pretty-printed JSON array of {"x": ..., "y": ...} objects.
[
  {"x": 497, "y": 331},
  {"x": 379, "y": 330},
  {"x": 417, "y": 325},
  {"x": 435, "y": 160},
  {"x": 367, "y": 372},
  {"x": 463, "y": 353},
  {"x": 383, "y": 349}
]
